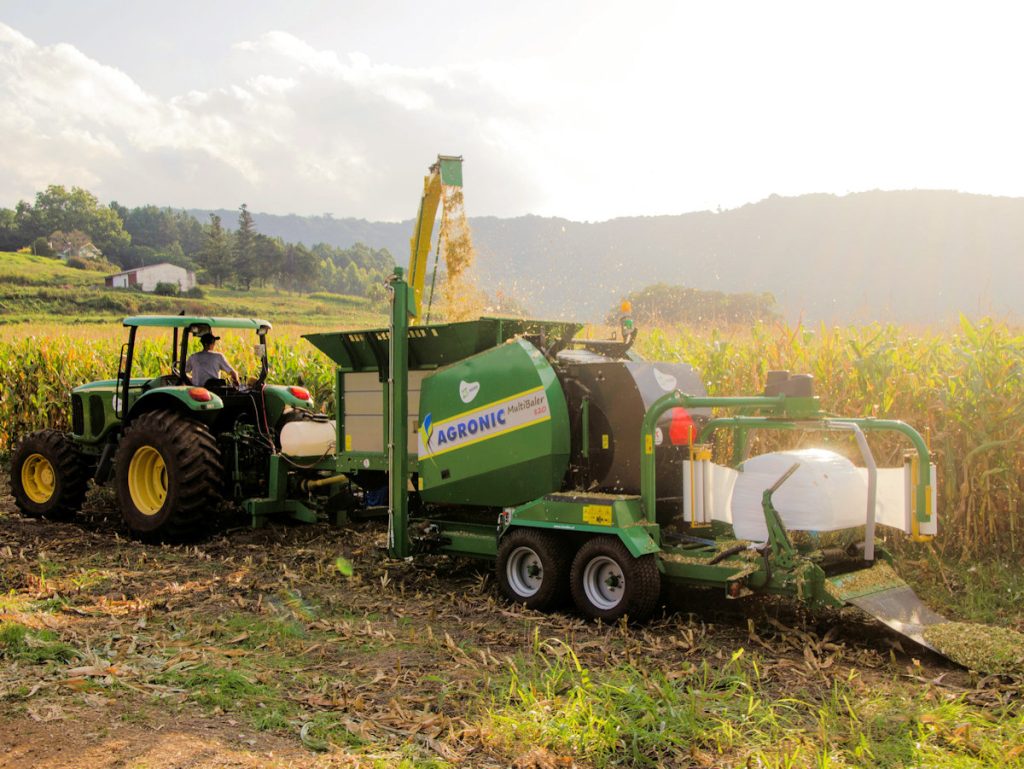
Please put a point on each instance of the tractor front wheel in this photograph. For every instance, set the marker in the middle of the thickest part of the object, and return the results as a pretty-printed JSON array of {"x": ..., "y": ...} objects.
[
  {"x": 608, "y": 583},
  {"x": 168, "y": 476},
  {"x": 48, "y": 476},
  {"x": 533, "y": 568}
]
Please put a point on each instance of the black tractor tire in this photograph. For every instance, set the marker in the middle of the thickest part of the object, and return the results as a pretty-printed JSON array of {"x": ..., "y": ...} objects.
[
  {"x": 49, "y": 476},
  {"x": 169, "y": 477},
  {"x": 533, "y": 568},
  {"x": 608, "y": 583}
]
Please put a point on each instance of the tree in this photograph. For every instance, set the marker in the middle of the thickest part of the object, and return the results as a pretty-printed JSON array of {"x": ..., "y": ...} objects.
[
  {"x": 300, "y": 268},
  {"x": 9, "y": 240},
  {"x": 151, "y": 226},
  {"x": 58, "y": 209},
  {"x": 216, "y": 255},
  {"x": 190, "y": 234},
  {"x": 269, "y": 254},
  {"x": 378, "y": 295},
  {"x": 245, "y": 262},
  {"x": 121, "y": 211},
  {"x": 41, "y": 247}
]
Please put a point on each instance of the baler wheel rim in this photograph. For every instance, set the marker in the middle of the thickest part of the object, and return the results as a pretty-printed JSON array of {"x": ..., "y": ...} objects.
[
  {"x": 525, "y": 571},
  {"x": 609, "y": 583},
  {"x": 604, "y": 582}
]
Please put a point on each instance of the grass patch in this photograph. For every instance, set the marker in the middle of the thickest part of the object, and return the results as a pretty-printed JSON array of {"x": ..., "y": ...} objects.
[
  {"x": 223, "y": 689},
  {"x": 985, "y": 590},
  {"x": 266, "y": 705},
  {"x": 12, "y": 601},
  {"x": 260, "y": 630},
  {"x": 50, "y": 605},
  {"x": 619, "y": 714},
  {"x": 18, "y": 642},
  {"x": 329, "y": 729},
  {"x": 730, "y": 716}
]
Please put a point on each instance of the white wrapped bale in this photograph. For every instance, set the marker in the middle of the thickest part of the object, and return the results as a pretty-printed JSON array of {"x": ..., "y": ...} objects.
[{"x": 826, "y": 493}]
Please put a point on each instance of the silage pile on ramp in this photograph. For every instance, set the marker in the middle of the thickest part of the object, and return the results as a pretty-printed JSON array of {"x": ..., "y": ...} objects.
[{"x": 879, "y": 592}]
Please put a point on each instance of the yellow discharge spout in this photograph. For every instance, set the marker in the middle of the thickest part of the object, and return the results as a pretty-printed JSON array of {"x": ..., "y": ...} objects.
[{"x": 446, "y": 172}]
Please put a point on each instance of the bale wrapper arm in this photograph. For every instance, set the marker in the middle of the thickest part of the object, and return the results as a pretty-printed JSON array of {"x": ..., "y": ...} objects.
[{"x": 860, "y": 577}]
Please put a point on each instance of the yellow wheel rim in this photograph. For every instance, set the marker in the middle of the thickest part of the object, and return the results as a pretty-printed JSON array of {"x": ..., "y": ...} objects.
[
  {"x": 147, "y": 480},
  {"x": 38, "y": 479}
]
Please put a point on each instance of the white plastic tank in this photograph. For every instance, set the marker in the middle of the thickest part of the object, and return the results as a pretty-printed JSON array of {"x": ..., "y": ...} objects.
[{"x": 308, "y": 439}]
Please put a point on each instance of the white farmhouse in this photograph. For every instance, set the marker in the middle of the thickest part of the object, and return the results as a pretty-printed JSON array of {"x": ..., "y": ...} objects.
[{"x": 146, "y": 278}]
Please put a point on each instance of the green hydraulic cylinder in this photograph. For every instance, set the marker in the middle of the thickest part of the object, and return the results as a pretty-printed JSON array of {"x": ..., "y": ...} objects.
[{"x": 398, "y": 412}]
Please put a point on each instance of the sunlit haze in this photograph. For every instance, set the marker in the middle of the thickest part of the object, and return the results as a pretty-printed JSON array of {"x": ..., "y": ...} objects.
[{"x": 583, "y": 110}]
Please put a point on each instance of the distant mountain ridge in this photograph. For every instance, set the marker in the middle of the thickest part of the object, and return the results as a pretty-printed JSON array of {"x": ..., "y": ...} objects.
[{"x": 916, "y": 256}]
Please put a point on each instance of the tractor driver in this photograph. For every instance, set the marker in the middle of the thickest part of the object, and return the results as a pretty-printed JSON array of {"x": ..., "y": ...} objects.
[{"x": 208, "y": 364}]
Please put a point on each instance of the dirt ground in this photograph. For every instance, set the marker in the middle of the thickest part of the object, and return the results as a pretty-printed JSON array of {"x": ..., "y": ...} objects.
[{"x": 259, "y": 649}]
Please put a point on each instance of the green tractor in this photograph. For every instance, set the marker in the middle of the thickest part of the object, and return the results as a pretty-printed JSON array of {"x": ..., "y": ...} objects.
[{"x": 174, "y": 448}]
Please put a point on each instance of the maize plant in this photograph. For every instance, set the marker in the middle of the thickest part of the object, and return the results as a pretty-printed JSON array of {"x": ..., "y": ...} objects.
[{"x": 964, "y": 386}]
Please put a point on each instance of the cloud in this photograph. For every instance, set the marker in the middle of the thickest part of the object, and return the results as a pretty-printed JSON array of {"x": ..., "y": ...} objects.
[{"x": 304, "y": 131}]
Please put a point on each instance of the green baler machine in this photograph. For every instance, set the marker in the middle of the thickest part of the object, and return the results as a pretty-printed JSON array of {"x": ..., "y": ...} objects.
[{"x": 516, "y": 449}]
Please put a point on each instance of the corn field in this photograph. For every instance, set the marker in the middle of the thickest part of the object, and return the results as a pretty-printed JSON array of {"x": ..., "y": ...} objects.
[{"x": 963, "y": 388}]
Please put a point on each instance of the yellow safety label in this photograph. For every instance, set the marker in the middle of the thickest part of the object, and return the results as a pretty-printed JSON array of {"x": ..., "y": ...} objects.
[
  {"x": 348, "y": 443},
  {"x": 648, "y": 444},
  {"x": 419, "y": 480},
  {"x": 597, "y": 515},
  {"x": 604, "y": 441},
  {"x": 701, "y": 453}
]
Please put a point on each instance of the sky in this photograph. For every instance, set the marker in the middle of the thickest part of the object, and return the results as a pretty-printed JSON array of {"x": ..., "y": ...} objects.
[{"x": 584, "y": 110}]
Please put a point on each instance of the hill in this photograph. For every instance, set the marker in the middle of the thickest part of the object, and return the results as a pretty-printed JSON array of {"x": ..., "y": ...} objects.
[
  {"x": 906, "y": 256},
  {"x": 36, "y": 288}
]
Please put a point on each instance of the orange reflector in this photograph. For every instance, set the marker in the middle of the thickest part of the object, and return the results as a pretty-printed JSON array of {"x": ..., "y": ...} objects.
[
  {"x": 200, "y": 394},
  {"x": 681, "y": 429},
  {"x": 299, "y": 392},
  {"x": 627, "y": 306}
]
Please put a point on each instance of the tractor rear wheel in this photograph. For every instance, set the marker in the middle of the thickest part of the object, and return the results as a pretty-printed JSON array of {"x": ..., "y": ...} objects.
[
  {"x": 533, "y": 568},
  {"x": 168, "y": 476},
  {"x": 608, "y": 583},
  {"x": 48, "y": 476}
]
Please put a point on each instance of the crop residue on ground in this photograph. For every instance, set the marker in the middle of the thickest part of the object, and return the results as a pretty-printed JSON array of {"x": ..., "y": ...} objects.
[{"x": 979, "y": 647}]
